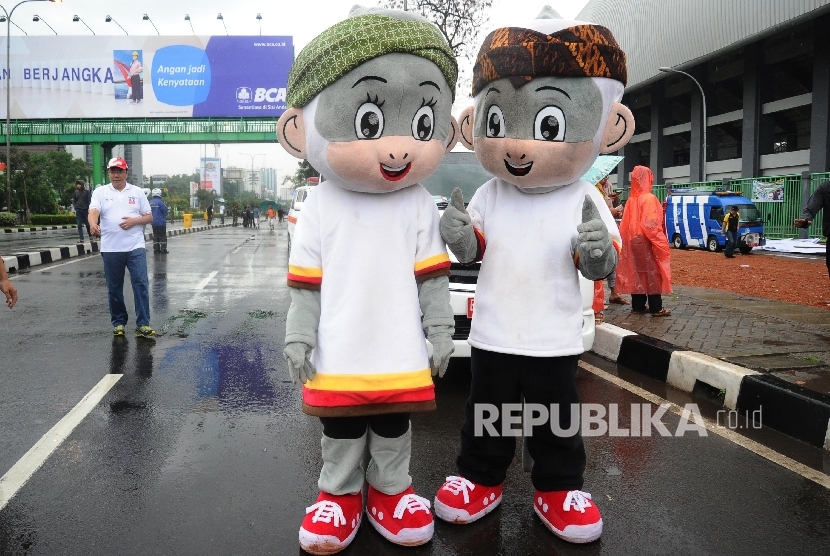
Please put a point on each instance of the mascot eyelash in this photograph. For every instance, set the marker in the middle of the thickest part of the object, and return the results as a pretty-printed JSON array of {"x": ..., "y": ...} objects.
[
  {"x": 375, "y": 101},
  {"x": 431, "y": 102}
]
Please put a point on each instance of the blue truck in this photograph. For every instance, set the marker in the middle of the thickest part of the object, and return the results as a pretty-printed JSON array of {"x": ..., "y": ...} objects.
[{"x": 695, "y": 218}]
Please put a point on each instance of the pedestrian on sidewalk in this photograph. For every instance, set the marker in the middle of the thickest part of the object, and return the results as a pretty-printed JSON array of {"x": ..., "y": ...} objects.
[
  {"x": 820, "y": 199},
  {"x": 222, "y": 214},
  {"x": 210, "y": 214},
  {"x": 7, "y": 287},
  {"x": 256, "y": 217},
  {"x": 270, "y": 215},
  {"x": 80, "y": 200},
  {"x": 731, "y": 223},
  {"x": 644, "y": 269},
  {"x": 604, "y": 188},
  {"x": 159, "y": 223},
  {"x": 124, "y": 211},
  {"x": 235, "y": 214}
]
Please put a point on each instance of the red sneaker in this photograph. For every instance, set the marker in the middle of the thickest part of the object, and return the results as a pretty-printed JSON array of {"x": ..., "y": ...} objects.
[
  {"x": 569, "y": 514},
  {"x": 331, "y": 523},
  {"x": 402, "y": 518},
  {"x": 462, "y": 501}
]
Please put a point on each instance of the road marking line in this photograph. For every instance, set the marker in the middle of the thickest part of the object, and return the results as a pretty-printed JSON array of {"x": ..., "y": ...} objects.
[
  {"x": 201, "y": 285},
  {"x": 711, "y": 426},
  {"x": 16, "y": 477}
]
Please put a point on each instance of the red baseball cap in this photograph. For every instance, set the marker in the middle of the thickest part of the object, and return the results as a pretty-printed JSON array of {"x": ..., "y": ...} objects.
[{"x": 117, "y": 162}]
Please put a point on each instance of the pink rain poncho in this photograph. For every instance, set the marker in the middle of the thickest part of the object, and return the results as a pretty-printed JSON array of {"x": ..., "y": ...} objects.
[{"x": 645, "y": 262}]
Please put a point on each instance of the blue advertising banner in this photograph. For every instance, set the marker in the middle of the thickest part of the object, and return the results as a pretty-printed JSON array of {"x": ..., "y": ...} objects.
[{"x": 153, "y": 76}]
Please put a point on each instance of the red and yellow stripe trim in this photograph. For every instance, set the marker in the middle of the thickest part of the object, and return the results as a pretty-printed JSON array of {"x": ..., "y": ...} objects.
[
  {"x": 292, "y": 219},
  {"x": 432, "y": 264},
  {"x": 482, "y": 244},
  {"x": 305, "y": 274},
  {"x": 332, "y": 390}
]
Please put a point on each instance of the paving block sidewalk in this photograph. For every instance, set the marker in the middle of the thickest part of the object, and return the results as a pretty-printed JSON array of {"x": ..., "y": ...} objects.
[{"x": 775, "y": 346}]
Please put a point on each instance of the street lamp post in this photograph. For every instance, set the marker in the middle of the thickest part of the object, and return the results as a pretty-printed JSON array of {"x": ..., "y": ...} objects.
[
  {"x": 187, "y": 18},
  {"x": 705, "y": 121},
  {"x": 223, "y": 22},
  {"x": 110, "y": 18},
  {"x": 8, "y": 98},
  {"x": 253, "y": 156},
  {"x": 259, "y": 18}
]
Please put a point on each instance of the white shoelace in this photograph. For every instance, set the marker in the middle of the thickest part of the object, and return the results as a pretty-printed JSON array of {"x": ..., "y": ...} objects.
[
  {"x": 326, "y": 511},
  {"x": 578, "y": 499},
  {"x": 459, "y": 485},
  {"x": 411, "y": 502}
]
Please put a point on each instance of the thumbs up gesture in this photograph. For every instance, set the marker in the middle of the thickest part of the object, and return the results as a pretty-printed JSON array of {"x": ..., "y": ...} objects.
[
  {"x": 597, "y": 257},
  {"x": 457, "y": 229}
]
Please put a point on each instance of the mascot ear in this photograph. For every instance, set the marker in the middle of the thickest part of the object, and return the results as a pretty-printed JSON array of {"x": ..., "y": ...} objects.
[
  {"x": 291, "y": 132},
  {"x": 452, "y": 140},
  {"x": 465, "y": 121},
  {"x": 618, "y": 129}
]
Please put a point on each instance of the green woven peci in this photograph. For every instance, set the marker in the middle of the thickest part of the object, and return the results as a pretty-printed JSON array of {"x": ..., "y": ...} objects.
[{"x": 344, "y": 46}]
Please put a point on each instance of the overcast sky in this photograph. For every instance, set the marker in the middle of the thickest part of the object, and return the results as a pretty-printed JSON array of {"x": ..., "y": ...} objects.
[{"x": 302, "y": 20}]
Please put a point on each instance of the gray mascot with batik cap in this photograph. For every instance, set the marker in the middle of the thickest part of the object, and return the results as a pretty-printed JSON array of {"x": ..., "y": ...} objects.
[
  {"x": 546, "y": 103},
  {"x": 369, "y": 107}
]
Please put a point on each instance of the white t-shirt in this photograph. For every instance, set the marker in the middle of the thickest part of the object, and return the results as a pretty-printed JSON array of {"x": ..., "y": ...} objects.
[
  {"x": 114, "y": 205},
  {"x": 528, "y": 300},
  {"x": 366, "y": 252}
]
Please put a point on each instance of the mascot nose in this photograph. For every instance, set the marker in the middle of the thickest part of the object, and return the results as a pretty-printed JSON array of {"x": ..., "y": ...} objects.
[
  {"x": 520, "y": 158},
  {"x": 392, "y": 156}
]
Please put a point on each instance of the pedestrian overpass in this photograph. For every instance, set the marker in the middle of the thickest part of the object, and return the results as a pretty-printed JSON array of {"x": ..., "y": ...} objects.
[{"x": 103, "y": 134}]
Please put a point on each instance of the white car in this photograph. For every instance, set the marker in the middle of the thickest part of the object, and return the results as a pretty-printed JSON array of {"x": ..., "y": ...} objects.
[
  {"x": 462, "y": 169},
  {"x": 300, "y": 195}
]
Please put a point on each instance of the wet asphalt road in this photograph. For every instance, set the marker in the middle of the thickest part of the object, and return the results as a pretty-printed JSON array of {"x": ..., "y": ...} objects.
[{"x": 201, "y": 448}]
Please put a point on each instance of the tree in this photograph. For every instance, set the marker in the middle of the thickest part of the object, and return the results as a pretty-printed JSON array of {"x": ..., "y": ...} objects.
[
  {"x": 300, "y": 177},
  {"x": 44, "y": 180},
  {"x": 459, "y": 21}
]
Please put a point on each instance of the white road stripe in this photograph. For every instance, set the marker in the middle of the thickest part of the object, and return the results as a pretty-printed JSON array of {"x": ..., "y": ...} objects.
[
  {"x": 711, "y": 426},
  {"x": 201, "y": 285},
  {"x": 16, "y": 477}
]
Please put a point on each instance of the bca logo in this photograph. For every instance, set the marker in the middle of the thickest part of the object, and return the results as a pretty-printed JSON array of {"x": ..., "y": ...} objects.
[
  {"x": 243, "y": 94},
  {"x": 270, "y": 95}
]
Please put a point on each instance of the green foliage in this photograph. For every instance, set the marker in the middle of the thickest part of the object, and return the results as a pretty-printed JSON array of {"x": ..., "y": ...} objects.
[
  {"x": 300, "y": 177},
  {"x": 52, "y": 219},
  {"x": 42, "y": 181},
  {"x": 8, "y": 219}
]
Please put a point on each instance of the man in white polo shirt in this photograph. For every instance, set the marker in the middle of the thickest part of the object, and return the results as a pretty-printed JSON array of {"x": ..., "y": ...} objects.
[{"x": 124, "y": 210}]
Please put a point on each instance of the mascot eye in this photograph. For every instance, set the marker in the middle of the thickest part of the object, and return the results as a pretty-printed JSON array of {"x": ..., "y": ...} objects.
[
  {"x": 549, "y": 125},
  {"x": 423, "y": 124},
  {"x": 368, "y": 122},
  {"x": 495, "y": 122}
]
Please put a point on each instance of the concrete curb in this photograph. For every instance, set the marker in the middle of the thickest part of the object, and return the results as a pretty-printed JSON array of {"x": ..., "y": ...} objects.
[
  {"x": 36, "y": 229},
  {"x": 788, "y": 408},
  {"x": 20, "y": 261}
]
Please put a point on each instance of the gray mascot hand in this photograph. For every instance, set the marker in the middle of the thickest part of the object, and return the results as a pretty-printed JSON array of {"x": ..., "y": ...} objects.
[
  {"x": 442, "y": 349},
  {"x": 457, "y": 229},
  {"x": 597, "y": 256},
  {"x": 299, "y": 366}
]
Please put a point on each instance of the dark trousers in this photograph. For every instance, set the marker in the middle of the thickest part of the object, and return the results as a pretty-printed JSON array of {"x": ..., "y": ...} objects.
[
  {"x": 390, "y": 425},
  {"x": 81, "y": 220},
  {"x": 731, "y": 243},
  {"x": 115, "y": 263},
  {"x": 222, "y": 218},
  {"x": 638, "y": 302},
  {"x": 159, "y": 239},
  {"x": 499, "y": 378}
]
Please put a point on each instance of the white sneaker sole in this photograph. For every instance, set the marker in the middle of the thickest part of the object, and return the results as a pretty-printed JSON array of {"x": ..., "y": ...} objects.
[
  {"x": 461, "y": 517},
  {"x": 405, "y": 537},
  {"x": 321, "y": 545},
  {"x": 578, "y": 534}
]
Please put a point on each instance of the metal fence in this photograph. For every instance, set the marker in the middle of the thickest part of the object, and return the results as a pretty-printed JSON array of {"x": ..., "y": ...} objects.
[{"x": 778, "y": 216}]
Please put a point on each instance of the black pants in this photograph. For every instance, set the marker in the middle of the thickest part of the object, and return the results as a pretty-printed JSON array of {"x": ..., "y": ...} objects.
[
  {"x": 500, "y": 378},
  {"x": 390, "y": 425},
  {"x": 638, "y": 302},
  {"x": 159, "y": 239}
]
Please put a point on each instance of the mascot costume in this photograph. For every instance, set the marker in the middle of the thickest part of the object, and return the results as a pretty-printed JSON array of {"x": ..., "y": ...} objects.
[
  {"x": 546, "y": 103},
  {"x": 370, "y": 108}
]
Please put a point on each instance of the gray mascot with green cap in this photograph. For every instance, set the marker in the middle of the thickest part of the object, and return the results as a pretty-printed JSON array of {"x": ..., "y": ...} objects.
[{"x": 369, "y": 107}]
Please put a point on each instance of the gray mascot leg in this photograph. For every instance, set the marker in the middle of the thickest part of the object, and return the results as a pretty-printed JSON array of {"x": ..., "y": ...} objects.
[
  {"x": 342, "y": 471},
  {"x": 388, "y": 470}
]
